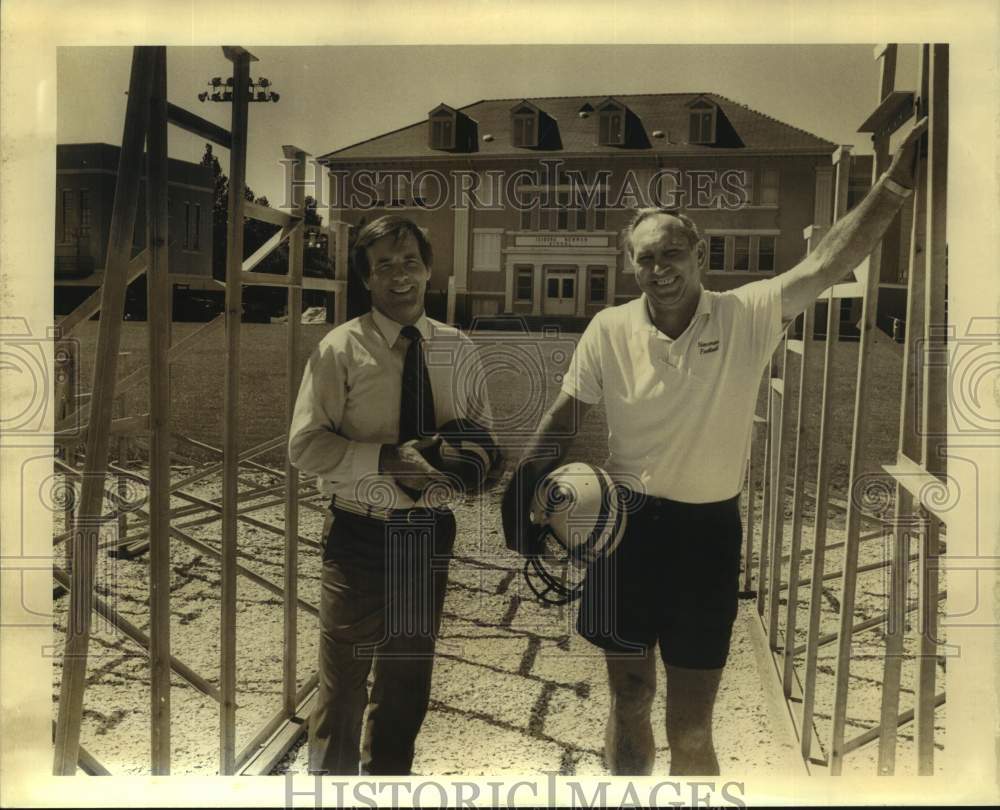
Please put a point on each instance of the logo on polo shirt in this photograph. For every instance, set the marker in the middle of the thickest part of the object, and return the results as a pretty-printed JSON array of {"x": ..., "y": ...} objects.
[{"x": 708, "y": 346}]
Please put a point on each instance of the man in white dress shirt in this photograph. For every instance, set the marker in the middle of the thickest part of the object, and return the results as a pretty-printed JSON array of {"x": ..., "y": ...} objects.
[
  {"x": 365, "y": 417},
  {"x": 678, "y": 371}
]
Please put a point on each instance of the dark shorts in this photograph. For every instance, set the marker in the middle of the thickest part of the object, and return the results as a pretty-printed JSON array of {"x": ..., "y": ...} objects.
[{"x": 674, "y": 579}]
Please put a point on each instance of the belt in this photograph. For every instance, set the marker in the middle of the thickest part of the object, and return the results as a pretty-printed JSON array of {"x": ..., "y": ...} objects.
[{"x": 419, "y": 514}]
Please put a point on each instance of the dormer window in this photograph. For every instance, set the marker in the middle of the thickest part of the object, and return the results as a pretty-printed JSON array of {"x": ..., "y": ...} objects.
[
  {"x": 524, "y": 125},
  {"x": 702, "y": 117},
  {"x": 611, "y": 123},
  {"x": 442, "y": 127}
]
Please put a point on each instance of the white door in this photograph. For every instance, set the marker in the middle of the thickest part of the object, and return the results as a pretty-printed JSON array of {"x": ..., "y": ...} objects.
[{"x": 560, "y": 293}]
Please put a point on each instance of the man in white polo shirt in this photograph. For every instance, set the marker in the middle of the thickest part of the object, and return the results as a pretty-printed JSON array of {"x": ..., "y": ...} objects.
[{"x": 678, "y": 371}]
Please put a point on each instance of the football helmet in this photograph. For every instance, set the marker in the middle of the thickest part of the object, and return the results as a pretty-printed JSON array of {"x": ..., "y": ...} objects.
[{"x": 582, "y": 517}]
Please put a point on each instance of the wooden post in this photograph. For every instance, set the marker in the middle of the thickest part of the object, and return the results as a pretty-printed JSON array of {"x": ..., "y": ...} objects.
[
  {"x": 751, "y": 501},
  {"x": 765, "y": 521},
  {"x": 340, "y": 270},
  {"x": 822, "y": 482},
  {"x": 231, "y": 400},
  {"x": 122, "y": 482},
  {"x": 859, "y": 437},
  {"x": 292, "y": 363},
  {"x": 777, "y": 429},
  {"x": 910, "y": 446},
  {"x": 87, "y": 527},
  {"x": 158, "y": 294},
  {"x": 69, "y": 362},
  {"x": 934, "y": 395},
  {"x": 814, "y": 234}
]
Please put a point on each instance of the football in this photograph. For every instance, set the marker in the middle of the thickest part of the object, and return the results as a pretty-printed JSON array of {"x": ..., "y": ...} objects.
[{"x": 468, "y": 453}]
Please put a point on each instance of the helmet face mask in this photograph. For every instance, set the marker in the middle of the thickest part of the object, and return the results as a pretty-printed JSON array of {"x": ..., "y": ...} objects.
[
  {"x": 583, "y": 519},
  {"x": 555, "y": 578}
]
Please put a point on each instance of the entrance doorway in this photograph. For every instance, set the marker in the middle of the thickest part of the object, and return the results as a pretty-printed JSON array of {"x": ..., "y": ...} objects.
[{"x": 560, "y": 292}]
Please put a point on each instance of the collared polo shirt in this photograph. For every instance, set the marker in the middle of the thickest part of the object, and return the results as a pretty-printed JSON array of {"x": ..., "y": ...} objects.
[
  {"x": 349, "y": 399},
  {"x": 680, "y": 412}
]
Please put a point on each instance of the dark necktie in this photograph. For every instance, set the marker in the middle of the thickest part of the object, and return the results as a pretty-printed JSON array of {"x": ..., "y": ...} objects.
[{"x": 416, "y": 405}]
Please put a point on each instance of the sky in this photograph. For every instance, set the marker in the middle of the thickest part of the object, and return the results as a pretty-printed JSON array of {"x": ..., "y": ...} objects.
[{"x": 331, "y": 97}]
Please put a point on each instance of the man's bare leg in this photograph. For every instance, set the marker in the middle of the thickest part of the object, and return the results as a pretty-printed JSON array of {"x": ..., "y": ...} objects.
[
  {"x": 690, "y": 701},
  {"x": 628, "y": 738}
]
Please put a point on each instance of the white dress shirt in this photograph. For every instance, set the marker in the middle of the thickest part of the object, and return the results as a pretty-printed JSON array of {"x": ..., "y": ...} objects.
[
  {"x": 349, "y": 400},
  {"x": 680, "y": 412}
]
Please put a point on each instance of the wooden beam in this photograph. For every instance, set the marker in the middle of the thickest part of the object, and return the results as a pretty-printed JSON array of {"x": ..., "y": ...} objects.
[
  {"x": 919, "y": 483},
  {"x": 264, "y": 251},
  {"x": 823, "y": 452},
  {"x": 294, "y": 366},
  {"x": 779, "y": 709},
  {"x": 118, "y": 427},
  {"x": 266, "y": 213},
  {"x": 261, "y": 759},
  {"x": 231, "y": 400},
  {"x": 859, "y": 443},
  {"x": 139, "y": 637},
  {"x": 935, "y": 393},
  {"x": 891, "y": 113},
  {"x": 85, "y": 537},
  {"x": 196, "y": 125},
  {"x": 873, "y": 734},
  {"x": 328, "y": 284},
  {"x": 89, "y": 764},
  {"x": 776, "y": 541},
  {"x": 92, "y": 304},
  {"x": 158, "y": 295},
  {"x": 765, "y": 521},
  {"x": 804, "y": 406},
  {"x": 340, "y": 268},
  {"x": 887, "y": 69}
]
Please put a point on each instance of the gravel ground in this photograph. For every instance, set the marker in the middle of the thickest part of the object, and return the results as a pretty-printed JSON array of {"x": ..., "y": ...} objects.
[{"x": 515, "y": 690}]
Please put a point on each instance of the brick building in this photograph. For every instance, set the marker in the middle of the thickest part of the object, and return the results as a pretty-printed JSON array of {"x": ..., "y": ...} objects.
[
  {"x": 85, "y": 192},
  {"x": 525, "y": 199}
]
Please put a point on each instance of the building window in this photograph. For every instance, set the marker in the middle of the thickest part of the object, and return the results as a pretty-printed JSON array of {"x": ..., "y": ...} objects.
[
  {"x": 67, "y": 212},
  {"x": 701, "y": 122},
  {"x": 597, "y": 291},
  {"x": 84, "y": 213},
  {"x": 187, "y": 225},
  {"x": 442, "y": 133},
  {"x": 525, "y": 129},
  {"x": 717, "y": 253},
  {"x": 196, "y": 241},
  {"x": 741, "y": 253},
  {"x": 612, "y": 130},
  {"x": 765, "y": 254},
  {"x": 523, "y": 289},
  {"x": 486, "y": 251},
  {"x": 769, "y": 187}
]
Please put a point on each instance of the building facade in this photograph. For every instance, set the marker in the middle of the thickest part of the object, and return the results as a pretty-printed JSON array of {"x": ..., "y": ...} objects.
[
  {"x": 85, "y": 195},
  {"x": 525, "y": 199}
]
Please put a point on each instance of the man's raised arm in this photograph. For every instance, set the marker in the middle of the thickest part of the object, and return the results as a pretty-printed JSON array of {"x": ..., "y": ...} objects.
[{"x": 854, "y": 236}]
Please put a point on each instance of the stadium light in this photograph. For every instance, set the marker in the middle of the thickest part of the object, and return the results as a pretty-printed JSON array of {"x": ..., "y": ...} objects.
[{"x": 222, "y": 91}]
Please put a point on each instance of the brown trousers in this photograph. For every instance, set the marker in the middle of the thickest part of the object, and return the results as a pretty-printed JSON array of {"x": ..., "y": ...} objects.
[{"x": 383, "y": 587}]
